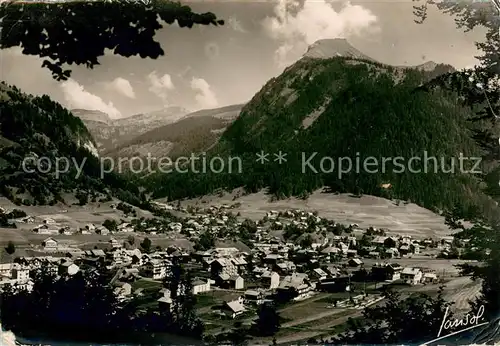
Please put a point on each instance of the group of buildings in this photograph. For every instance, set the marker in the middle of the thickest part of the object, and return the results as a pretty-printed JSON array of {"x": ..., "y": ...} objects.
[{"x": 267, "y": 268}]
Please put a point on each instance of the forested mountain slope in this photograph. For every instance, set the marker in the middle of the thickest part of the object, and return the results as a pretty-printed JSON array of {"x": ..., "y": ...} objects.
[
  {"x": 46, "y": 152},
  {"x": 347, "y": 107}
]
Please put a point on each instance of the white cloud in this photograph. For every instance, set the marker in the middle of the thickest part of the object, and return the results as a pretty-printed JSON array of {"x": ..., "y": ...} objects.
[
  {"x": 236, "y": 25},
  {"x": 160, "y": 86},
  {"x": 122, "y": 86},
  {"x": 77, "y": 97},
  {"x": 297, "y": 27},
  {"x": 205, "y": 96}
]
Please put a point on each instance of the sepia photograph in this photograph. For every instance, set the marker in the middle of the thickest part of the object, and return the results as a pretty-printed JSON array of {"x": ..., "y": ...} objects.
[{"x": 249, "y": 172}]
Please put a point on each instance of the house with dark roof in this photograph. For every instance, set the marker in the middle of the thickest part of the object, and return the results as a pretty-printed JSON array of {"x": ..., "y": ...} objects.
[
  {"x": 386, "y": 271},
  {"x": 50, "y": 244},
  {"x": 355, "y": 262}
]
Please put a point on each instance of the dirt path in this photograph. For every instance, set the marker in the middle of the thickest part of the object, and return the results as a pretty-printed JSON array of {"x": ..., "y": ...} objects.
[
  {"x": 306, "y": 301},
  {"x": 461, "y": 291},
  {"x": 314, "y": 317},
  {"x": 315, "y": 331}
]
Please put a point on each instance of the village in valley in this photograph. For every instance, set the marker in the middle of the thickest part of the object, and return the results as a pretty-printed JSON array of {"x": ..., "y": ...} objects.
[{"x": 317, "y": 273}]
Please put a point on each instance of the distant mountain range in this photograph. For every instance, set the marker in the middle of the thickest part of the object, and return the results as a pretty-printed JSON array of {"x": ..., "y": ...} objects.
[
  {"x": 194, "y": 133},
  {"x": 110, "y": 133},
  {"x": 171, "y": 131}
]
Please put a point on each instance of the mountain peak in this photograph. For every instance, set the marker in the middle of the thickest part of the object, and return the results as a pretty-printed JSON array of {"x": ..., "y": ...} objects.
[{"x": 334, "y": 47}]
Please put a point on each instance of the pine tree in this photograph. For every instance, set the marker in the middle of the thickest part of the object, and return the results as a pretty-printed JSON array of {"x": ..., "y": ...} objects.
[
  {"x": 11, "y": 248},
  {"x": 268, "y": 322},
  {"x": 146, "y": 244},
  {"x": 410, "y": 320},
  {"x": 469, "y": 16}
]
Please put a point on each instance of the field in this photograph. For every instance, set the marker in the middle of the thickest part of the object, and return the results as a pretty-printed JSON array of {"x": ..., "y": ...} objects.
[
  {"x": 76, "y": 217},
  {"x": 366, "y": 211}
]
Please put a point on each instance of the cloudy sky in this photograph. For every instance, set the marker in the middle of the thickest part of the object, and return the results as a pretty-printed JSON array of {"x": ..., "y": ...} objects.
[{"x": 208, "y": 67}]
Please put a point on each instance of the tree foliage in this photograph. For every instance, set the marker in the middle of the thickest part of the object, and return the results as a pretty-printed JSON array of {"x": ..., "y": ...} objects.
[
  {"x": 72, "y": 307},
  {"x": 183, "y": 317},
  {"x": 111, "y": 225},
  {"x": 78, "y": 33},
  {"x": 470, "y": 15},
  {"x": 482, "y": 239},
  {"x": 11, "y": 248},
  {"x": 83, "y": 307},
  {"x": 414, "y": 319},
  {"x": 269, "y": 320},
  {"x": 146, "y": 244},
  {"x": 206, "y": 241}
]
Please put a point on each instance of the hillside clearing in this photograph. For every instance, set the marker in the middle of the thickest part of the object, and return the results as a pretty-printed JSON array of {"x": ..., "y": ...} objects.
[{"x": 366, "y": 211}]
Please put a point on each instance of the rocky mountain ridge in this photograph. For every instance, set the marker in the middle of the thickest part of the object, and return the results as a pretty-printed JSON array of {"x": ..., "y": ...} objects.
[{"x": 110, "y": 133}]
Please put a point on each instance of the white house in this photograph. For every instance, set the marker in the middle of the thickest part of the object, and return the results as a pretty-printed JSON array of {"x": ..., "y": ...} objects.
[
  {"x": 416, "y": 248},
  {"x": 254, "y": 297},
  {"x": 125, "y": 227},
  {"x": 16, "y": 284},
  {"x": 165, "y": 303},
  {"x": 299, "y": 282},
  {"x": 272, "y": 279},
  {"x": 343, "y": 247},
  {"x": 46, "y": 229},
  {"x": 429, "y": 278},
  {"x": 102, "y": 230},
  {"x": 115, "y": 243},
  {"x": 238, "y": 283},
  {"x": 411, "y": 276},
  {"x": 27, "y": 219},
  {"x": 68, "y": 268},
  {"x": 319, "y": 274},
  {"x": 200, "y": 286},
  {"x": 123, "y": 289},
  {"x": 156, "y": 269},
  {"x": 6, "y": 269},
  {"x": 84, "y": 231},
  {"x": 234, "y": 308},
  {"x": 20, "y": 273},
  {"x": 50, "y": 244}
]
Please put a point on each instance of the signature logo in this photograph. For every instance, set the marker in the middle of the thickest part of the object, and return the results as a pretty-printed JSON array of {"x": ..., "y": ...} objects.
[
  {"x": 468, "y": 321},
  {"x": 468, "y": 1},
  {"x": 144, "y": 2}
]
